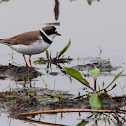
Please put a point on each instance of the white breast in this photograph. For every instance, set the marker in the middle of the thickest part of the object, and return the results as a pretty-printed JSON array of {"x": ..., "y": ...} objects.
[{"x": 34, "y": 48}]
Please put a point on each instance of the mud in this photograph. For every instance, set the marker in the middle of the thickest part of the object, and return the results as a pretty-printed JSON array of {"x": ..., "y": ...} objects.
[
  {"x": 26, "y": 99},
  {"x": 18, "y": 73},
  {"x": 77, "y": 104},
  {"x": 83, "y": 103},
  {"x": 103, "y": 64},
  {"x": 35, "y": 99},
  {"x": 22, "y": 73}
]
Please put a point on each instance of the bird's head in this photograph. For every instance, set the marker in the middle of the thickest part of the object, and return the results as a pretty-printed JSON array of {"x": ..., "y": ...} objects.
[{"x": 51, "y": 32}]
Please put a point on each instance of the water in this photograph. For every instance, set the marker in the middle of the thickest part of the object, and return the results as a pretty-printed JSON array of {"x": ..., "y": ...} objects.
[{"x": 101, "y": 25}]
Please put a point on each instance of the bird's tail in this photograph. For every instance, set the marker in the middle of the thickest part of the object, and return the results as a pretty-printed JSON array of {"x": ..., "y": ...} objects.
[{"x": 1, "y": 41}]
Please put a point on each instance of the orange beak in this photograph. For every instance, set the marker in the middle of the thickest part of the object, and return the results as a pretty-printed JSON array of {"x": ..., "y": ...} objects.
[{"x": 58, "y": 34}]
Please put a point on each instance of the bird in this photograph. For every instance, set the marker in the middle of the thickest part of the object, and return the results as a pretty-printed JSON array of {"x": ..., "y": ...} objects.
[{"x": 32, "y": 42}]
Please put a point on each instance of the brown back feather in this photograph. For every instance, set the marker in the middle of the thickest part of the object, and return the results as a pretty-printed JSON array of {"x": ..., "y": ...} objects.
[{"x": 25, "y": 38}]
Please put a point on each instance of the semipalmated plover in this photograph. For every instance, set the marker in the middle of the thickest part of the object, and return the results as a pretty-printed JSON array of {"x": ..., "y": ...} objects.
[{"x": 33, "y": 42}]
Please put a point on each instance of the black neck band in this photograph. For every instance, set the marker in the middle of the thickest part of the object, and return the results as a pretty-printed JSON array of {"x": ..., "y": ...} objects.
[{"x": 45, "y": 38}]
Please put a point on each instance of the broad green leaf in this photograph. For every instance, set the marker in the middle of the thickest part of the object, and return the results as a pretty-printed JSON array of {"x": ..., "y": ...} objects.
[
  {"x": 47, "y": 54},
  {"x": 116, "y": 77},
  {"x": 94, "y": 101},
  {"x": 94, "y": 72},
  {"x": 76, "y": 74},
  {"x": 65, "y": 49}
]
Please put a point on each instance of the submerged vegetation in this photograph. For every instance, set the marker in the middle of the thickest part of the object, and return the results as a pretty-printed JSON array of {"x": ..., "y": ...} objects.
[{"x": 93, "y": 99}]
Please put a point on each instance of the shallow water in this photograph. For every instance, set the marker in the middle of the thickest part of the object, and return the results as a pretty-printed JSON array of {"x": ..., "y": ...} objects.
[{"x": 101, "y": 25}]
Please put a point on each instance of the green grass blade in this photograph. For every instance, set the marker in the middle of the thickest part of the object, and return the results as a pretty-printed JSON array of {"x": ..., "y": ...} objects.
[
  {"x": 47, "y": 54},
  {"x": 116, "y": 77},
  {"x": 76, "y": 74},
  {"x": 65, "y": 49}
]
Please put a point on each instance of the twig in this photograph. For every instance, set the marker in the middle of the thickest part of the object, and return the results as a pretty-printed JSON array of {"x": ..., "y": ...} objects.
[
  {"x": 39, "y": 122},
  {"x": 122, "y": 105},
  {"x": 124, "y": 96},
  {"x": 123, "y": 118},
  {"x": 68, "y": 110},
  {"x": 95, "y": 84},
  {"x": 117, "y": 116},
  {"x": 78, "y": 97}
]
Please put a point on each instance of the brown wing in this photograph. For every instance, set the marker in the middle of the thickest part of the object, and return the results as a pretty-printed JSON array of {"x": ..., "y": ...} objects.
[{"x": 24, "y": 38}]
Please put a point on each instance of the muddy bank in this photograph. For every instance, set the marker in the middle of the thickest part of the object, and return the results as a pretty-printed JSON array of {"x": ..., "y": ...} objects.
[
  {"x": 33, "y": 104},
  {"x": 22, "y": 73},
  {"x": 103, "y": 64},
  {"x": 26, "y": 99},
  {"x": 18, "y": 73},
  {"x": 36, "y": 99},
  {"x": 83, "y": 103}
]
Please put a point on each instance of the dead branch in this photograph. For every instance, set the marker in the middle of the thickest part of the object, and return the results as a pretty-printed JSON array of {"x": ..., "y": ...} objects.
[
  {"x": 39, "y": 122},
  {"x": 122, "y": 105},
  {"x": 68, "y": 110}
]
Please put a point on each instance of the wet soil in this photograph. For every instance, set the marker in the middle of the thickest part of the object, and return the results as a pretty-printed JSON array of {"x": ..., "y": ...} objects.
[
  {"x": 83, "y": 103},
  {"x": 26, "y": 100},
  {"x": 23, "y": 73},
  {"x": 22, "y": 100},
  {"x": 18, "y": 73},
  {"x": 34, "y": 99},
  {"x": 103, "y": 64}
]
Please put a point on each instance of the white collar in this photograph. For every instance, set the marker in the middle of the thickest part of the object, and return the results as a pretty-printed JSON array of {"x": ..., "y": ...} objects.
[{"x": 45, "y": 34}]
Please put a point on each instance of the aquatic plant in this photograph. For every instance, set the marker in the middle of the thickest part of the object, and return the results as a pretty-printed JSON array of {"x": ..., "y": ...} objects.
[
  {"x": 58, "y": 54},
  {"x": 59, "y": 58},
  {"x": 64, "y": 49},
  {"x": 45, "y": 83},
  {"x": 93, "y": 96}
]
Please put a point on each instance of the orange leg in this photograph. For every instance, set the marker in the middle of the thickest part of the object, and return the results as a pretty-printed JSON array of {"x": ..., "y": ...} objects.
[
  {"x": 25, "y": 60},
  {"x": 30, "y": 60}
]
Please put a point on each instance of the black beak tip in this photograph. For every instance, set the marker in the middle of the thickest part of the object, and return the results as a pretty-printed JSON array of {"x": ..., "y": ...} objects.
[{"x": 58, "y": 34}]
